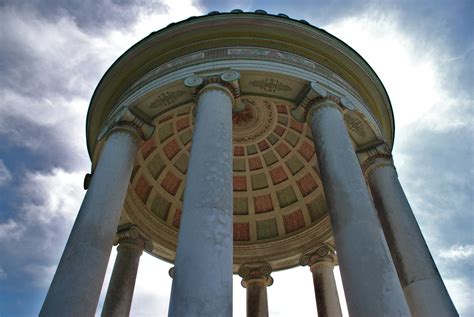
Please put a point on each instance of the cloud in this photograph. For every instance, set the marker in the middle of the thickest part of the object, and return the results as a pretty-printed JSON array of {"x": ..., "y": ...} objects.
[
  {"x": 11, "y": 230},
  {"x": 458, "y": 252},
  {"x": 433, "y": 129},
  {"x": 462, "y": 290},
  {"x": 53, "y": 54},
  {"x": 50, "y": 68},
  {"x": 5, "y": 175},
  {"x": 52, "y": 57},
  {"x": 33, "y": 240}
]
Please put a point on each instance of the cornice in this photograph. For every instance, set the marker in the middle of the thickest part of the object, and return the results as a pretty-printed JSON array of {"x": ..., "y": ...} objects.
[{"x": 256, "y": 28}]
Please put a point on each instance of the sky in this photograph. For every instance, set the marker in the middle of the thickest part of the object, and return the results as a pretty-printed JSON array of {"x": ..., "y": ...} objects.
[{"x": 53, "y": 54}]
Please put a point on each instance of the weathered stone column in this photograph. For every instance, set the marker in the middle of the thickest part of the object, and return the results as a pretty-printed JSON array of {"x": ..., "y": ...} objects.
[
  {"x": 321, "y": 263},
  {"x": 256, "y": 278},
  {"x": 424, "y": 289},
  {"x": 202, "y": 283},
  {"x": 75, "y": 288},
  {"x": 370, "y": 281},
  {"x": 118, "y": 300}
]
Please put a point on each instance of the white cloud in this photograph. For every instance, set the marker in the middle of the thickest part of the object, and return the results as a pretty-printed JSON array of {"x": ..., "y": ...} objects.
[
  {"x": 35, "y": 238},
  {"x": 55, "y": 66},
  {"x": 11, "y": 230},
  {"x": 42, "y": 274},
  {"x": 63, "y": 65},
  {"x": 458, "y": 252},
  {"x": 152, "y": 288},
  {"x": 461, "y": 293},
  {"x": 52, "y": 196},
  {"x": 5, "y": 175},
  {"x": 412, "y": 71},
  {"x": 429, "y": 118},
  {"x": 43, "y": 107}
]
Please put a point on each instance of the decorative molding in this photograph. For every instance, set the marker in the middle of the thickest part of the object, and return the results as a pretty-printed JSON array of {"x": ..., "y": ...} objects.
[
  {"x": 166, "y": 99},
  {"x": 238, "y": 53},
  {"x": 227, "y": 80},
  {"x": 355, "y": 125},
  {"x": 130, "y": 234},
  {"x": 313, "y": 97},
  {"x": 270, "y": 85},
  {"x": 378, "y": 155},
  {"x": 256, "y": 272},
  {"x": 324, "y": 254},
  {"x": 123, "y": 118}
]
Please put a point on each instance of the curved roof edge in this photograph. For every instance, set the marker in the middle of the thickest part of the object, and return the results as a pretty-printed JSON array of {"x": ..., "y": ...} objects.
[{"x": 235, "y": 12}]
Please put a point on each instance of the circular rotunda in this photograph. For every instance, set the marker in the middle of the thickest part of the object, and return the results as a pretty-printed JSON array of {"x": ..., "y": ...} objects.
[{"x": 245, "y": 143}]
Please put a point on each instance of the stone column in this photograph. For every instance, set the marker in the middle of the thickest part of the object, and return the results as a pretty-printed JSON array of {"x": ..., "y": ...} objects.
[
  {"x": 256, "y": 278},
  {"x": 424, "y": 289},
  {"x": 370, "y": 281},
  {"x": 321, "y": 263},
  {"x": 202, "y": 283},
  {"x": 76, "y": 285},
  {"x": 118, "y": 300}
]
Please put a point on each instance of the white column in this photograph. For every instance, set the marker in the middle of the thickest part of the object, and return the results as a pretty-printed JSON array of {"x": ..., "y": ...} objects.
[
  {"x": 370, "y": 281},
  {"x": 321, "y": 263},
  {"x": 424, "y": 289},
  {"x": 76, "y": 286},
  {"x": 202, "y": 283},
  {"x": 256, "y": 278},
  {"x": 118, "y": 300}
]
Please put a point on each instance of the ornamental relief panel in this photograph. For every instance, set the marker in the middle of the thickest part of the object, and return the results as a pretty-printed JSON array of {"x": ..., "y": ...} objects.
[
  {"x": 270, "y": 85},
  {"x": 359, "y": 130},
  {"x": 166, "y": 99}
]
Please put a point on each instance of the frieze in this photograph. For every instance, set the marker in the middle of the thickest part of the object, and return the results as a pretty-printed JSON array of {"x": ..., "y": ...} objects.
[
  {"x": 244, "y": 52},
  {"x": 166, "y": 99},
  {"x": 355, "y": 125},
  {"x": 271, "y": 54},
  {"x": 270, "y": 85}
]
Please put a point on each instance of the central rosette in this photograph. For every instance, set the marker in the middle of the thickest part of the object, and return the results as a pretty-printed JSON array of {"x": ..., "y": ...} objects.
[{"x": 254, "y": 122}]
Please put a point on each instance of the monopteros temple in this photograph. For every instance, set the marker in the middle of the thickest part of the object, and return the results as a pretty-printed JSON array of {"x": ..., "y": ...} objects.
[{"x": 245, "y": 143}]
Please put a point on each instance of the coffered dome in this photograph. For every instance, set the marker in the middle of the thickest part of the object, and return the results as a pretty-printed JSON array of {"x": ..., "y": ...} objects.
[{"x": 278, "y": 201}]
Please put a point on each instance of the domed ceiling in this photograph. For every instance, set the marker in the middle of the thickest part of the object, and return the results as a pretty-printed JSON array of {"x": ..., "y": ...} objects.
[
  {"x": 279, "y": 207},
  {"x": 278, "y": 202},
  {"x": 277, "y": 192}
]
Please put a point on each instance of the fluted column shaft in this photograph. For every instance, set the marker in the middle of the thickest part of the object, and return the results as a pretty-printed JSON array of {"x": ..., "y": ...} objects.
[
  {"x": 76, "y": 286},
  {"x": 423, "y": 287},
  {"x": 202, "y": 283},
  {"x": 370, "y": 281},
  {"x": 118, "y": 300}
]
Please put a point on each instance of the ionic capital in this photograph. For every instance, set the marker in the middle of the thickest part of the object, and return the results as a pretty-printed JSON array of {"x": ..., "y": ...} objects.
[
  {"x": 227, "y": 82},
  {"x": 315, "y": 97},
  {"x": 131, "y": 236},
  {"x": 325, "y": 254},
  {"x": 375, "y": 156},
  {"x": 171, "y": 272},
  {"x": 124, "y": 119},
  {"x": 258, "y": 272}
]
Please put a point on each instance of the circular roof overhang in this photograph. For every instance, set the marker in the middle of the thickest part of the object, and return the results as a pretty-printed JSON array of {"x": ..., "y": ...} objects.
[{"x": 239, "y": 29}]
